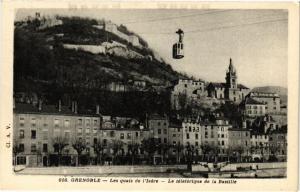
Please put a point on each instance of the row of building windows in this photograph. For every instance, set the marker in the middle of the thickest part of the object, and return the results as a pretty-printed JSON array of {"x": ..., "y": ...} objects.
[
  {"x": 87, "y": 130},
  {"x": 255, "y": 107},
  {"x": 33, "y": 134},
  {"x": 164, "y": 139},
  {"x": 260, "y": 136},
  {"x": 188, "y": 143},
  {"x": 22, "y": 134},
  {"x": 240, "y": 134},
  {"x": 238, "y": 142},
  {"x": 196, "y": 129},
  {"x": 122, "y": 136},
  {"x": 188, "y": 136},
  {"x": 222, "y": 136},
  {"x": 159, "y": 123},
  {"x": 67, "y": 134},
  {"x": 221, "y": 143},
  {"x": 205, "y": 135},
  {"x": 193, "y": 83},
  {"x": 259, "y": 143},
  {"x": 57, "y": 122},
  {"x": 164, "y": 130},
  {"x": 255, "y": 112},
  {"x": 33, "y": 148}
]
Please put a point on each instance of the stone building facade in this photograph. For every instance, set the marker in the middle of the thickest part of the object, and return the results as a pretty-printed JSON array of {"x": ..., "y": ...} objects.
[
  {"x": 186, "y": 89},
  {"x": 253, "y": 108},
  {"x": 239, "y": 143},
  {"x": 230, "y": 90},
  {"x": 36, "y": 128},
  {"x": 278, "y": 144},
  {"x": 271, "y": 100},
  {"x": 259, "y": 146}
]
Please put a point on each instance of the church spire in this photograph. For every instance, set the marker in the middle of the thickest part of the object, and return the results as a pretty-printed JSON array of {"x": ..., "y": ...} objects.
[
  {"x": 231, "y": 68},
  {"x": 231, "y": 77}
]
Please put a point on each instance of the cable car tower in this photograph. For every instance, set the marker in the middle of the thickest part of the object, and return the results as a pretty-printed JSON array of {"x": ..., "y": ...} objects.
[{"x": 178, "y": 47}]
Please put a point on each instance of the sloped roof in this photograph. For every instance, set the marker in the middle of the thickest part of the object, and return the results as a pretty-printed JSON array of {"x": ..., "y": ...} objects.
[
  {"x": 241, "y": 86},
  {"x": 216, "y": 84},
  {"x": 263, "y": 94},
  {"x": 223, "y": 85},
  {"x": 156, "y": 116},
  {"x": 24, "y": 107},
  {"x": 48, "y": 109},
  {"x": 175, "y": 125},
  {"x": 251, "y": 101}
]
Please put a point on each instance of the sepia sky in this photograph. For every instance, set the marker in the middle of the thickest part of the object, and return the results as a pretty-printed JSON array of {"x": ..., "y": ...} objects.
[{"x": 256, "y": 40}]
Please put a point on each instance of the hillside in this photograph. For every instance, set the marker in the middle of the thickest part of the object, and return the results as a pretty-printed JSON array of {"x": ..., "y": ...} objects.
[
  {"x": 43, "y": 54},
  {"x": 281, "y": 91},
  {"x": 74, "y": 58}
]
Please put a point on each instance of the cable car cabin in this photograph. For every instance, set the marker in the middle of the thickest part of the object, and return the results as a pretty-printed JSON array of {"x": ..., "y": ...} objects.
[
  {"x": 178, "y": 51},
  {"x": 178, "y": 47}
]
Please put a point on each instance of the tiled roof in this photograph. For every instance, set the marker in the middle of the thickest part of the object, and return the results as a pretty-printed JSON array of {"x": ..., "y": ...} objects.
[
  {"x": 218, "y": 84},
  {"x": 223, "y": 85},
  {"x": 263, "y": 94},
  {"x": 241, "y": 86},
  {"x": 251, "y": 101},
  {"x": 48, "y": 109},
  {"x": 175, "y": 125},
  {"x": 156, "y": 116}
]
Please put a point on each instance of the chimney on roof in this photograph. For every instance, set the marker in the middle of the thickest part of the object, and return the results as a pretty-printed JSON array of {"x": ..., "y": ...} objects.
[
  {"x": 59, "y": 105},
  {"x": 75, "y": 107},
  {"x": 40, "y": 104},
  {"x": 97, "y": 109}
]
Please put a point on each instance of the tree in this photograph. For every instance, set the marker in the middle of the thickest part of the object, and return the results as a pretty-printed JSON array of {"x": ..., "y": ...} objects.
[
  {"x": 215, "y": 152},
  {"x": 190, "y": 156},
  {"x": 59, "y": 143},
  {"x": 274, "y": 148},
  {"x": 231, "y": 111},
  {"x": 79, "y": 146},
  {"x": 38, "y": 154},
  {"x": 134, "y": 149},
  {"x": 178, "y": 147},
  {"x": 182, "y": 100},
  {"x": 239, "y": 150},
  {"x": 150, "y": 146},
  {"x": 262, "y": 148},
  {"x": 16, "y": 150},
  {"x": 228, "y": 153},
  {"x": 99, "y": 148},
  {"x": 252, "y": 150},
  {"x": 165, "y": 148},
  {"x": 116, "y": 146},
  {"x": 205, "y": 148}
]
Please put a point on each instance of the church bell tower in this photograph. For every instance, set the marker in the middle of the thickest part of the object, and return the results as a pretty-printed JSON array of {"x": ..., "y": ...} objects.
[{"x": 231, "y": 76}]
